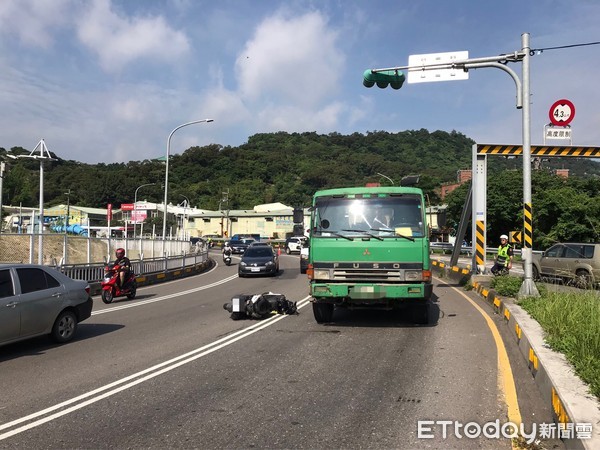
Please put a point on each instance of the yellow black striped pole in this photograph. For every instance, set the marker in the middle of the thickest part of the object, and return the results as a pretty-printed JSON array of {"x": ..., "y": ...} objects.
[
  {"x": 480, "y": 244},
  {"x": 528, "y": 225}
]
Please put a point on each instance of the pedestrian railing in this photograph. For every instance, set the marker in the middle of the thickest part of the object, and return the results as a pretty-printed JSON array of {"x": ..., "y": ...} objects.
[{"x": 95, "y": 272}]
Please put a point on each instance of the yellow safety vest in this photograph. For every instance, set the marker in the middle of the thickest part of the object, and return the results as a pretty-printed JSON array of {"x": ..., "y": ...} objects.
[{"x": 503, "y": 254}]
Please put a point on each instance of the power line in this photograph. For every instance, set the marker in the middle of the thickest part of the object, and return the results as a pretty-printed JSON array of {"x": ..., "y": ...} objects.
[{"x": 540, "y": 50}]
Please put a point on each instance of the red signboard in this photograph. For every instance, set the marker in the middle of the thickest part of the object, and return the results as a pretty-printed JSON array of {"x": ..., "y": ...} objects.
[
  {"x": 138, "y": 216},
  {"x": 126, "y": 206},
  {"x": 109, "y": 212}
]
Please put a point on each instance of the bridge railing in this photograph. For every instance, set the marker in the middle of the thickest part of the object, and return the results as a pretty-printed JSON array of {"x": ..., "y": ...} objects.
[
  {"x": 95, "y": 272},
  {"x": 84, "y": 258}
]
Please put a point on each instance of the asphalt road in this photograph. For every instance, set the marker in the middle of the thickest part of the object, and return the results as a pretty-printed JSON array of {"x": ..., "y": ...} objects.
[{"x": 170, "y": 369}]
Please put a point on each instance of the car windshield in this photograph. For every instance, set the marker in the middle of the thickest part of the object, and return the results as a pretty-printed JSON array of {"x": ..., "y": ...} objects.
[
  {"x": 254, "y": 252},
  {"x": 380, "y": 217}
]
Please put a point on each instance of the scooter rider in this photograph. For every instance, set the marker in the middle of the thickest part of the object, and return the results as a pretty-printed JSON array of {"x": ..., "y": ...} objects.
[
  {"x": 227, "y": 250},
  {"x": 124, "y": 266}
]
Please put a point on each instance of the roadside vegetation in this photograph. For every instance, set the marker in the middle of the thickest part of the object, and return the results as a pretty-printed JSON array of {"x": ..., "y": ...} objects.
[
  {"x": 571, "y": 324},
  {"x": 290, "y": 167}
]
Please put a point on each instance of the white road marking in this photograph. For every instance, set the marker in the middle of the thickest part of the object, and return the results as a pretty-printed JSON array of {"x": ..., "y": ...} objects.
[
  {"x": 139, "y": 377},
  {"x": 164, "y": 297}
]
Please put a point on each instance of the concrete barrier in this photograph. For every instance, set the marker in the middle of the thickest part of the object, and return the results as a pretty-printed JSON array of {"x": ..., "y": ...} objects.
[{"x": 575, "y": 409}]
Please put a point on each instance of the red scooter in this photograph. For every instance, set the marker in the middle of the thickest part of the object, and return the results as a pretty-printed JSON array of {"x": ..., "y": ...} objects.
[{"x": 110, "y": 288}]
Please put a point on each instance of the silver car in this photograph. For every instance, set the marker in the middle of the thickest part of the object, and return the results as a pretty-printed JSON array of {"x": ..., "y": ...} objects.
[
  {"x": 574, "y": 263},
  {"x": 38, "y": 300}
]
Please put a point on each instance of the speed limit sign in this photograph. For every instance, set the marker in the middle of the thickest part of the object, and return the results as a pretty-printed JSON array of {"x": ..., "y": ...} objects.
[{"x": 562, "y": 112}]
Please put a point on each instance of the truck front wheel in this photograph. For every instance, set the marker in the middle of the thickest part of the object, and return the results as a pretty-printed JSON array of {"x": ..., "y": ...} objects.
[
  {"x": 420, "y": 314},
  {"x": 323, "y": 312}
]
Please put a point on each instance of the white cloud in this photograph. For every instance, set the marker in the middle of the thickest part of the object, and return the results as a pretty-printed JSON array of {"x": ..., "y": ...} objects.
[
  {"x": 120, "y": 41},
  {"x": 291, "y": 60},
  {"x": 33, "y": 21},
  {"x": 291, "y": 118}
]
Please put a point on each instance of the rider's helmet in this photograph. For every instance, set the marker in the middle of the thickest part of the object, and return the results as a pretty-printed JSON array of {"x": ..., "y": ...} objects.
[
  {"x": 120, "y": 252},
  {"x": 505, "y": 237}
]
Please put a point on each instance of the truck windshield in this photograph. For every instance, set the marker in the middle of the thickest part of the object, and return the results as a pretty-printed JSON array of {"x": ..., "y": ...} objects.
[{"x": 379, "y": 217}]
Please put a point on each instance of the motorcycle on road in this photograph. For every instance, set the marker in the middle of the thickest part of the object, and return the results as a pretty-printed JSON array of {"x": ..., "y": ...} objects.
[
  {"x": 227, "y": 258},
  {"x": 110, "y": 287}
]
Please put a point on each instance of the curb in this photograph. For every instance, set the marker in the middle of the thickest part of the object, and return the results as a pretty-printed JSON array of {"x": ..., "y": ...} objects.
[
  {"x": 564, "y": 391},
  {"x": 161, "y": 277}
]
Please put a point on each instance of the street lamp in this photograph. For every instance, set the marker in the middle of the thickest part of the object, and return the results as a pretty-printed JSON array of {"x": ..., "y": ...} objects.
[
  {"x": 164, "y": 230},
  {"x": 385, "y": 176},
  {"x": 185, "y": 207},
  {"x": 43, "y": 156},
  {"x": 135, "y": 206}
]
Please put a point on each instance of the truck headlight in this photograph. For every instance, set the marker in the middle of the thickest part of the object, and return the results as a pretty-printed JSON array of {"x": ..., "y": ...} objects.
[
  {"x": 413, "y": 275},
  {"x": 320, "y": 274}
]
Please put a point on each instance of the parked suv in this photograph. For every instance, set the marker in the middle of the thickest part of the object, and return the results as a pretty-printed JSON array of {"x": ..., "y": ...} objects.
[
  {"x": 294, "y": 244},
  {"x": 576, "y": 263}
]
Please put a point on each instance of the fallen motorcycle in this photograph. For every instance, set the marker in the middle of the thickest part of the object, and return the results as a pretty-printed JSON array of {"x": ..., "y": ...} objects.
[
  {"x": 110, "y": 287},
  {"x": 259, "y": 306}
]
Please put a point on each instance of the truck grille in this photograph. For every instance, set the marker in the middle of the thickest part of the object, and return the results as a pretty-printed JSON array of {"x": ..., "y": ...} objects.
[{"x": 372, "y": 272}]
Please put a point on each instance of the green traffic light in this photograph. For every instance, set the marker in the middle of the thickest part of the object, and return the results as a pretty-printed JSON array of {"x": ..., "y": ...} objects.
[{"x": 393, "y": 78}]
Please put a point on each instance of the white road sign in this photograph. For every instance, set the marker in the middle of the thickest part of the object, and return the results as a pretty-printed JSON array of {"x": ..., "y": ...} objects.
[{"x": 419, "y": 73}]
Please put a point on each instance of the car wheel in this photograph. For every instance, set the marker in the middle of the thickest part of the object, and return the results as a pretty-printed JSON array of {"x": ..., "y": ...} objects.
[
  {"x": 535, "y": 273},
  {"x": 64, "y": 327},
  {"x": 288, "y": 250},
  {"x": 583, "y": 280},
  {"x": 323, "y": 312}
]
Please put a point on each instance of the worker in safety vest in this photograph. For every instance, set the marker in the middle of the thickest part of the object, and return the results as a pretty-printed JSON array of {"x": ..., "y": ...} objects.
[{"x": 504, "y": 257}]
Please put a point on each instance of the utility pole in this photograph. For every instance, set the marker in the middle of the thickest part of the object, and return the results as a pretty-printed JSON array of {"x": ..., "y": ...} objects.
[
  {"x": 225, "y": 199},
  {"x": 68, "y": 194},
  {"x": 2, "y": 167},
  {"x": 455, "y": 66}
]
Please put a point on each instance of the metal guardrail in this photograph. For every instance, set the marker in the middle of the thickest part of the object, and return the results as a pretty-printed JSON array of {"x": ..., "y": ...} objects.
[
  {"x": 446, "y": 246},
  {"x": 95, "y": 272}
]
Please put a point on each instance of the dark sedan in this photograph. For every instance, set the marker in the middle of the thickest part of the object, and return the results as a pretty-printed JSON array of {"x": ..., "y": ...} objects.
[
  {"x": 240, "y": 246},
  {"x": 258, "y": 260}
]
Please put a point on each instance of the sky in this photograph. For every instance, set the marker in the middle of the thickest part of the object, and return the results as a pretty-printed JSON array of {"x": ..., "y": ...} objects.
[{"x": 105, "y": 81}]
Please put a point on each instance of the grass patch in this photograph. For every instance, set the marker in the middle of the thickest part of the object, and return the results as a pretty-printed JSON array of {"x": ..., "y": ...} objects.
[
  {"x": 571, "y": 323},
  {"x": 506, "y": 285}
]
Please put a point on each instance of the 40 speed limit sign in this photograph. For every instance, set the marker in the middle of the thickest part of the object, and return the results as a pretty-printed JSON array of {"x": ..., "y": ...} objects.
[{"x": 562, "y": 112}]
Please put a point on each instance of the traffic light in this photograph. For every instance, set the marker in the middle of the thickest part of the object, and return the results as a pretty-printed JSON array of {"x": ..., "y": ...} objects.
[{"x": 394, "y": 78}]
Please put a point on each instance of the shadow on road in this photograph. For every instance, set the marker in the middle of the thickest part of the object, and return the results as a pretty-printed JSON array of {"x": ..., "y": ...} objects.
[
  {"x": 400, "y": 318},
  {"x": 39, "y": 345}
]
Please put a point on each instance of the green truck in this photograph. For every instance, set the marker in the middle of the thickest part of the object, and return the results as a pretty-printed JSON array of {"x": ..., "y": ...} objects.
[{"x": 369, "y": 248}]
